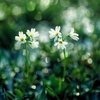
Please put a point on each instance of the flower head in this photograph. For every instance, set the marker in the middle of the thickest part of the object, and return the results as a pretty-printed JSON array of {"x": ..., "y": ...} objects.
[
  {"x": 61, "y": 44},
  {"x": 21, "y": 38},
  {"x": 55, "y": 33},
  {"x": 73, "y": 35},
  {"x": 34, "y": 44},
  {"x": 32, "y": 34}
]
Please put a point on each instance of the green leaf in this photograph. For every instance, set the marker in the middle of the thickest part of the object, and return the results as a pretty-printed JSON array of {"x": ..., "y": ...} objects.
[
  {"x": 10, "y": 95},
  {"x": 52, "y": 92},
  {"x": 41, "y": 96},
  {"x": 57, "y": 83},
  {"x": 19, "y": 93}
]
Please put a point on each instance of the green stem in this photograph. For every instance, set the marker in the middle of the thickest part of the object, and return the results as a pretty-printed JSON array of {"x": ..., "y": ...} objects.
[
  {"x": 60, "y": 84},
  {"x": 64, "y": 70},
  {"x": 65, "y": 37},
  {"x": 26, "y": 63}
]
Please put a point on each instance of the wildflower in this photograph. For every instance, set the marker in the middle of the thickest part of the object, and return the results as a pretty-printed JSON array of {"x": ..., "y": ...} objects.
[
  {"x": 32, "y": 34},
  {"x": 61, "y": 44},
  {"x": 17, "y": 46},
  {"x": 34, "y": 44},
  {"x": 73, "y": 35},
  {"x": 21, "y": 38},
  {"x": 55, "y": 33}
]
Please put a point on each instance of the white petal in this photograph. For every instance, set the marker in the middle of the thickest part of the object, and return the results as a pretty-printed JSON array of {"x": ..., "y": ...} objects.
[
  {"x": 17, "y": 38},
  {"x": 51, "y": 31},
  {"x": 24, "y": 36},
  {"x": 34, "y": 44},
  {"x": 75, "y": 38},
  {"x": 57, "y": 28},
  {"x": 28, "y": 32},
  {"x": 75, "y": 34},
  {"x": 56, "y": 44},
  {"x": 33, "y": 30},
  {"x": 20, "y": 33},
  {"x": 65, "y": 43}
]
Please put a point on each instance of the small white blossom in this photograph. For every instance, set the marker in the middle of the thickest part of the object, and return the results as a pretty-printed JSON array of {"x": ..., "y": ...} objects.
[
  {"x": 61, "y": 44},
  {"x": 32, "y": 34},
  {"x": 21, "y": 38},
  {"x": 34, "y": 44},
  {"x": 17, "y": 46},
  {"x": 73, "y": 35},
  {"x": 55, "y": 33}
]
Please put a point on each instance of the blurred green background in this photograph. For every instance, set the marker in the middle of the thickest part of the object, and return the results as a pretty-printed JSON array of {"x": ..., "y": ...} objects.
[
  {"x": 83, "y": 59},
  {"x": 17, "y": 15}
]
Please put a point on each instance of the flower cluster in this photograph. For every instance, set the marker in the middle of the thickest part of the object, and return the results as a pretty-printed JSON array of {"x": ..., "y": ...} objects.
[
  {"x": 30, "y": 37},
  {"x": 60, "y": 42}
]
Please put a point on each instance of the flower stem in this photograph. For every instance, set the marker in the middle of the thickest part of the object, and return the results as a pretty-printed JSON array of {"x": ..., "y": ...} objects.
[
  {"x": 65, "y": 37},
  {"x": 64, "y": 70},
  {"x": 26, "y": 63}
]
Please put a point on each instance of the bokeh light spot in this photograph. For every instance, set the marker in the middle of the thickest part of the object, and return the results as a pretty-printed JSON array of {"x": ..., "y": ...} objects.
[
  {"x": 31, "y": 6},
  {"x": 16, "y": 10},
  {"x": 89, "y": 61}
]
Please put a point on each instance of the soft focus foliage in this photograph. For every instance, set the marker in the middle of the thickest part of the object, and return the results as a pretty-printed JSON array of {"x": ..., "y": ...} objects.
[{"x": 44, "y": 79}]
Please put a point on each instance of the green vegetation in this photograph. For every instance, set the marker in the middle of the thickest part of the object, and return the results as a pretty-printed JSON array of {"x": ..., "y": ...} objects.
[{"x": 46, "y": 73}]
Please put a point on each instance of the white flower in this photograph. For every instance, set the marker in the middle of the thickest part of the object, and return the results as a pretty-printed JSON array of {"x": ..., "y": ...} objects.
[
  {"x": 32, "y": 34},
  {"x": 61, "y": 44},
  {"x": 34, "y": 44},
  {"x": 55, "y": 33},
  {"x": 73, "y": 35},
  {"x": 21, "y": 38},
  {"x": 17, "y": 46}
]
